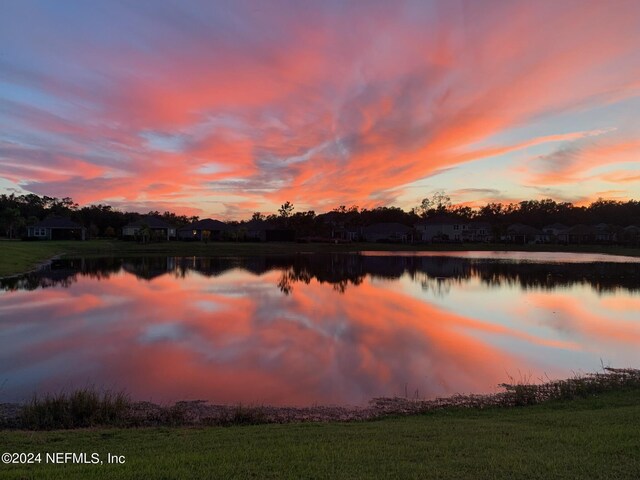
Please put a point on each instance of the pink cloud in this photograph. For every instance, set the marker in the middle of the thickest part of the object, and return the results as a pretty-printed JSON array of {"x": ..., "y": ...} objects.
[{"x": 324, "y": 106}]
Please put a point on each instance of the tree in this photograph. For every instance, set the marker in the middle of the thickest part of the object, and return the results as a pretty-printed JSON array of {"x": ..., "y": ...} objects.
[
  {"x": 257, "y": 216},
  {"x": 11, "y": 220},
  {"x": 286, "y": 210},
  {"x": 438, "y": 203}
]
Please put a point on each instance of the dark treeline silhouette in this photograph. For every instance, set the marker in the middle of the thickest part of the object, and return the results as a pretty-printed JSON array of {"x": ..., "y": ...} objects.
[
  {"x": 342, "y": 270},
  {"x": 19, "y": 211}
]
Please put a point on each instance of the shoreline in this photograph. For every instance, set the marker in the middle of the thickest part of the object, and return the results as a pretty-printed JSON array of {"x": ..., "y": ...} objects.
[
  {"x": 200, "y": 413},
  {"x": 24, "y": 257}
]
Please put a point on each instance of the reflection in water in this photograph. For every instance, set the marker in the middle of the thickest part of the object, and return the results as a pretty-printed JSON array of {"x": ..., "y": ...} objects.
[
  {"x": 436, "y": 273},
  {"x": 310, "y": 329}
]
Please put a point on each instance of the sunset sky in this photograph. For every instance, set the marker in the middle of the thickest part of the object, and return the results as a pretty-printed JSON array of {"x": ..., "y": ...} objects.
[{"x": 226, "y": 108}]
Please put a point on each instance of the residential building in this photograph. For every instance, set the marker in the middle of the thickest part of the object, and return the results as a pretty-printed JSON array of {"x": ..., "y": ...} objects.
[
  {"x": 151, "y": 226},
  {"x": 56, "y": 228}
]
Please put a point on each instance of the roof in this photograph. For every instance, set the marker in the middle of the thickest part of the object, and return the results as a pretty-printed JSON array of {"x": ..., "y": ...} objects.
[
  {"x": 555, "y": 226},
  {"x": 520, "y": 229},
  {"x": 207, "y": 224},
  {"x": 387, "y": 228},
  {"x": 151, "y": 222},
  {"x": 442, "y": 220},
  {"x": 479, "y": 225},
  {"x": 581, "y": 230},
  {"x": 58, "y": 222},
  {"x": 256, "y": 225}
]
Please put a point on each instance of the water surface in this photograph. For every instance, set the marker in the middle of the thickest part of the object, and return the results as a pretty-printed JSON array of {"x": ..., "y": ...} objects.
[{"x": 317, "y": 328}]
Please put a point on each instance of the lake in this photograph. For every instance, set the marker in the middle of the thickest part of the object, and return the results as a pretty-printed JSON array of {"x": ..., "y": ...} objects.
[{"x": 312, "y": 329}]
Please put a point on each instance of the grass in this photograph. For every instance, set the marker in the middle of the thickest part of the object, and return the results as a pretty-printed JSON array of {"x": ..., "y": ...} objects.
[
  {"x": 595, "y": 437},
  {"x": 18, "y": 257},
  {"x": 81, "y": 408}
]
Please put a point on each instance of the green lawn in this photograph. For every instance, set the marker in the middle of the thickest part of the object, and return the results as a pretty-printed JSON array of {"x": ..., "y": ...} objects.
[
  {"x": 598, "y": 437},
  {"x": 17, "y": 257}
]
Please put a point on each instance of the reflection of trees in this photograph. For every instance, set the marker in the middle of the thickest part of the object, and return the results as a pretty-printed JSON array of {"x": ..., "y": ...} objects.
[
  {"x": 435, "y": 274},
  {"x": 438, "y": 286},
  {"x": 63, "y": 273},
  {"x": 285, "y": 284}
]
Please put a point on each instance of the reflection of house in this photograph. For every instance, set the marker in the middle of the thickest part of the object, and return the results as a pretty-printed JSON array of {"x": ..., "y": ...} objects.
[
  {"x": 205, "y": 229},
  {"x": 56, "y": 228},
  {"x": 149, "y": 268},
  {"x": 387, "y": 232},
  {"x": 156, "y": 227},
  {"x": 523, "y": 234},
  {"x": 442, "y": 228}
]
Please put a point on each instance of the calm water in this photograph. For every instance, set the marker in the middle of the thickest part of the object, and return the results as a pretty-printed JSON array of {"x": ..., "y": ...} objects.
[{"x": 315, "y": 329}]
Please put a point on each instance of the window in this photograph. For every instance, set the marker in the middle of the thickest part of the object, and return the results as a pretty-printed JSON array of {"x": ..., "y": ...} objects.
[{"x": 456, "y": 227}]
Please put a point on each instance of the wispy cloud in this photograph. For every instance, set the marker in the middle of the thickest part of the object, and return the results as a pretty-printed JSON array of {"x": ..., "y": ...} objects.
[{"x": 319, "y": 104}]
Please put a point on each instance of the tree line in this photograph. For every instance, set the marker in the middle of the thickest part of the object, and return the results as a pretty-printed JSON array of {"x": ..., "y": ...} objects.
[{"x": 19, "y": 211}]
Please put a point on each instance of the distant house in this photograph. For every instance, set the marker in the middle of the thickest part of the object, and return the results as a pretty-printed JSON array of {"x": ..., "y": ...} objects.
[
  {"x": 158, "y": 227},
  {"x": 57, "y": 228},
  {"x": 338, "y": 228},
  {"x": 553, "y": 230},
  {"x": 203, "y": 230},
  {"x": 605, "y": 233},
  {"x": 477, "y": 232},
  {"x": 442, "y": 228},
  {"x": 578, "y": 234},
  {"x": 631, "y": 235},
  {"x": 523, "y": 234},
  {"x": 387, "y": 232},
  {"x": 263, "y": 231}
]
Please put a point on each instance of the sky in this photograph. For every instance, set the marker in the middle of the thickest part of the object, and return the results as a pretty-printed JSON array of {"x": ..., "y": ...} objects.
[{"x": 221, "y": 109}]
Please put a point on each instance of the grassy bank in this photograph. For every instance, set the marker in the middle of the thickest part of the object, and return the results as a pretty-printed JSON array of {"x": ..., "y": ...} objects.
[
  {"x": 595, "y": 437},
  {"x": 17, "y": 257}
]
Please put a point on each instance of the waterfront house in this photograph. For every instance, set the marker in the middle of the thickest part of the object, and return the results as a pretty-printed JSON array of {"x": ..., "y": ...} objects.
[
  {"x": 477, "y": 232},
  {"x": 578, "y": 234},
  {"x": 442, "y": 228},
  {"x": 149, "y": 226},
  {"x": 387, "y": 232},
  {"x": 56, "y": 228},
  {"x": 524, "y": 234},
  {"x": 204, "y": 230},
  {"x": 553, "y": 230}
]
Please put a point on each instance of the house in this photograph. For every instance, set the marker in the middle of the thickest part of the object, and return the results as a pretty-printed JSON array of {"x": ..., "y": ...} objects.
[
  {"x": 263, "y": 231},
  {"x": 631, "y": 235},
  {"x": 523, "y": 234},
  {"x": 57, "y": 228},
  {"x": 605, "y": 233},
  {"x": 387, "y": 232},
  {"x": 442, "y": 228},
  {"x": 151, "y": 225},
  {"x": 578, "y": 234},
  {"x": 478, "y": 232},
  {"x": 553, "y": 230},
  {"x": 204, "y": 230}
]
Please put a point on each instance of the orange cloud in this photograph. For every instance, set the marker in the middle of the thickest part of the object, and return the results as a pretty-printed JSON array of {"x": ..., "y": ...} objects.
[{"x": 319, "y": 106}]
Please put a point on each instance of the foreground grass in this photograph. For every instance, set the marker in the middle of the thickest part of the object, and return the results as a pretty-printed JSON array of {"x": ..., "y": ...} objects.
[
  {"x": 595, "y": 437},
  {"x": 18, "y": 257}
]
